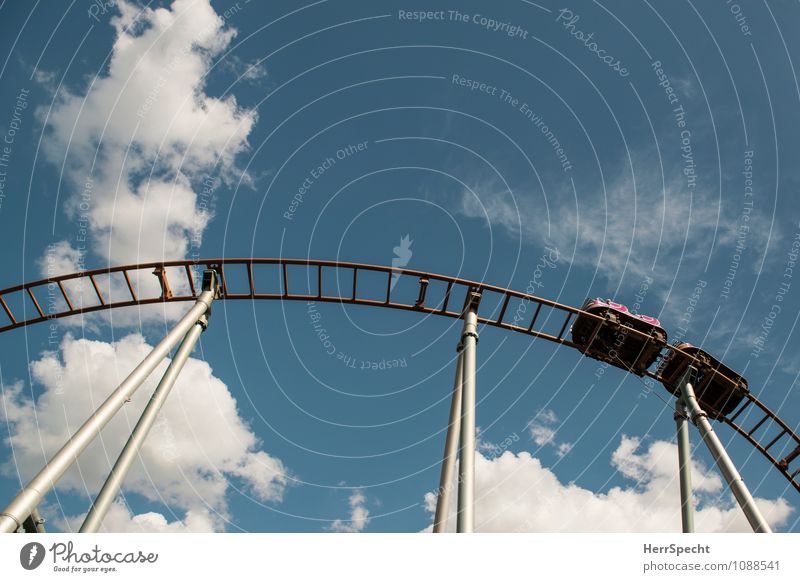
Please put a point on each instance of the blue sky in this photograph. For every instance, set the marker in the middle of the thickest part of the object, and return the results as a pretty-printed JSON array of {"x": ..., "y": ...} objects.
[{"x": 590, "y": 149}]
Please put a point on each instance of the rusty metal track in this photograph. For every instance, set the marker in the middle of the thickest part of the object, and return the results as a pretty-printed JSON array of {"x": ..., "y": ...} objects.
[
  {"x": 764, "y": 439},
  {"x": 765, "y": 433}
]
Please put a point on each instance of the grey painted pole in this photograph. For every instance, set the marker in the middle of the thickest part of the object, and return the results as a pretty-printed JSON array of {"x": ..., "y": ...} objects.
[
  {"x": 131, "y": 450},
  {"x": 726, "y": 466},
  {"x": 684, "y": 467},
  {"x": 465, "y": 520},
  {"x": 30, "y": 496},
  {"x": 450, "y": 450}
]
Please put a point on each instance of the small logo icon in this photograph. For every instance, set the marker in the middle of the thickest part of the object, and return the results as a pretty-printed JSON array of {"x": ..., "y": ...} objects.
[
  {"x": 31, "y": 555},
  {"x": 402, "y": 256}
]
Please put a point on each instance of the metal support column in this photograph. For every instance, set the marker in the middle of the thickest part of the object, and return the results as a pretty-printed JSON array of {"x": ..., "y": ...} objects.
[
  {"x": 465, "y": 519},
  {"x": 33, "y": 493},
  {"x": 723, "y": 461},
  {"x": 684, "y": 467},
  {"x": 131, "y": 450},
  {"x": 450, "y": 449}
]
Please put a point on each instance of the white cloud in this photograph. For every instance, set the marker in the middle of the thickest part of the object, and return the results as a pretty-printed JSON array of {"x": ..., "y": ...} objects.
[
  {"x": 685, "y": 85},
  {"x": 183, "y": 463},
  {"x": 60, "y": 258},
  {"x": 152, "y": 95},
  {"x": 542, "y": 435},
  {"x": 563, "y": 448},
  {"x": 490, "y": 201},
  {"x": 244, "y": 71},
  {"x": 120, "y": 520},
  {"x": 138, "y": 141},
  {"x": 542, "y": 429},
  {"x": 640, "y": 227},
  {"x": 359, "y": 515},
  {"x": 514, "y": 492}
]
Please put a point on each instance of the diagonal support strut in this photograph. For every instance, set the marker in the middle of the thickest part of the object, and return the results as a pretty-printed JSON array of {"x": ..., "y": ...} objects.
[
  {"x": 131, "y": 450},
  {"x": 32, "y": 494},
  {"x": 721, "y": 458}
]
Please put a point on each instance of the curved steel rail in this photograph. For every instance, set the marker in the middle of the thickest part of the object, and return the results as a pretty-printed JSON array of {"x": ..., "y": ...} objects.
[{"x": 442, "y": 301}]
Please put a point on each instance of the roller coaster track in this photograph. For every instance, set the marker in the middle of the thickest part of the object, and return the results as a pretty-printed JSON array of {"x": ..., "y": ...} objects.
[{"x": 432, "y": 294}]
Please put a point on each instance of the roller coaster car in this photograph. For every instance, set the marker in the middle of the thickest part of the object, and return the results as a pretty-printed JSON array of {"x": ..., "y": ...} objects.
[
  {"x": 719, "y": 389},
  {"x": 608, "y": 340}
]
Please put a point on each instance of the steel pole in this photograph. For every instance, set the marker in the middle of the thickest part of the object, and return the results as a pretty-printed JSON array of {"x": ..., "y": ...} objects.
[
  {"x": 31, "y": 495},
  {"x": 723, "y": 461},
  {"x": 684, "y": 467},
  {"x": 131, "y": 450},
  {"x": 465, "y": 521},
  {"x": 450, "y": 450}
]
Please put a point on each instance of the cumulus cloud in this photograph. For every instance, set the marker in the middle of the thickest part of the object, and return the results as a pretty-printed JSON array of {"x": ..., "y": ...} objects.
[
  {"x": 183, "y": 463},
  {"x": 60, "y": 258},
  {"x": 120, "y": 520},
  {"x": 140, "y": 139},
  {"x": 359, "y": 515},
  {"x": 515, "y": 493},
  {"x": 543, "y": 428}
]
